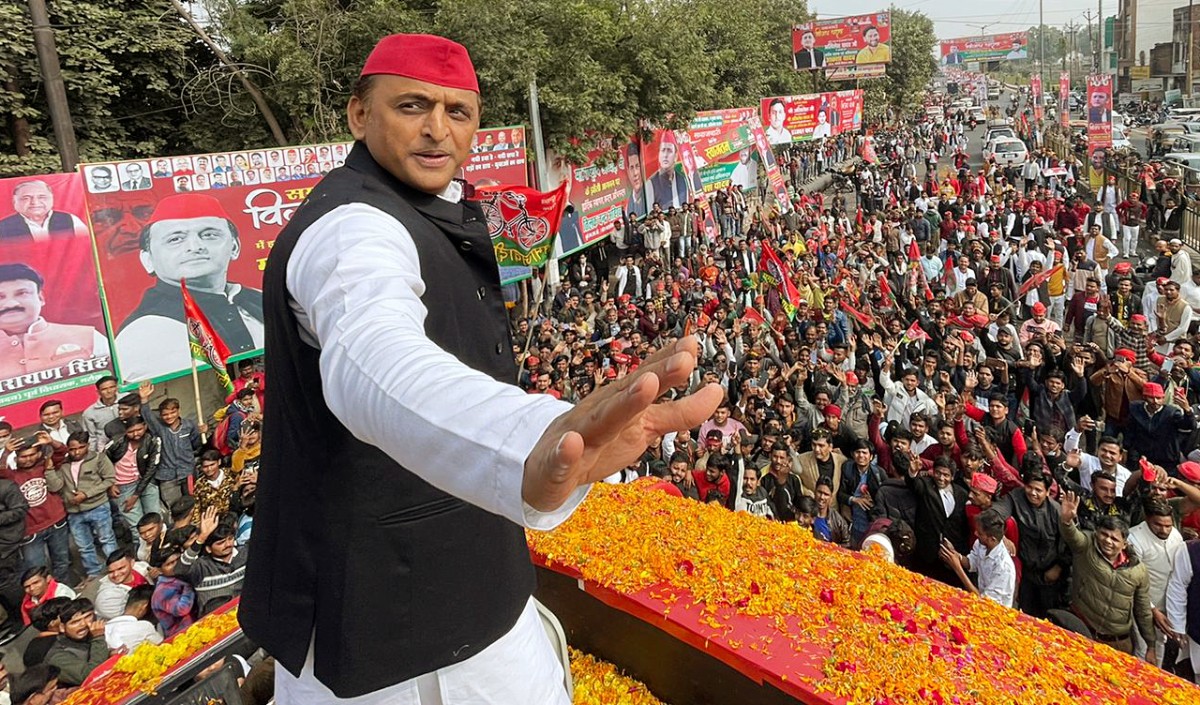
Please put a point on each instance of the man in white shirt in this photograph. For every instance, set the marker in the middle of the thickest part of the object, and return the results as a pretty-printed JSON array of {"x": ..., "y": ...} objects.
[
  {"x": 1108, "y": 452},
  {"x": 1156, "y": 542},
  {"x": 996, "y": 574},
  {"x": 131, "y": 629},
  {"x": 123, "y": 575},
  {"x": 385, "y": 256}
]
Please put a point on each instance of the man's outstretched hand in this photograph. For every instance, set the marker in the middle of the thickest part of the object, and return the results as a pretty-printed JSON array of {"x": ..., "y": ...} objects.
[{"x": 611, "y": 428}]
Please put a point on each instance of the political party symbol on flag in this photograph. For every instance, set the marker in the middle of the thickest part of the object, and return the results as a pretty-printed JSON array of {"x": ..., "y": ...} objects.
[
  {"x": 753, "y": 317},
  {"x": 522, "y": 222},
  {"x": 1038, "y": 279},
  {"x": 775, "y": 273},
  {"x": 206, "y": 346},
  {"x": 915, "y": 333}
]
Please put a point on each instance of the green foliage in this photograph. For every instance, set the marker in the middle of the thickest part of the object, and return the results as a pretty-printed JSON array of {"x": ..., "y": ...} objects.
[
  {"x": 142, "y": 83},
  {"x": 124, "y": 63}
]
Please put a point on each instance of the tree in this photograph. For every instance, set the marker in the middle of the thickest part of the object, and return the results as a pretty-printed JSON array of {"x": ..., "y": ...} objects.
[
  {"x": 124, "y": 64},
  {"x": 912, "y": 66}
]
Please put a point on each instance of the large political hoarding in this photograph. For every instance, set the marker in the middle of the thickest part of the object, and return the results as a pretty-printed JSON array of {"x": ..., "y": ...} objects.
[
  {"x": 1011, "y": 46},
  {"x": 209, "y": 219},
  {"x": 846, "y": 47},
  {"x": 1035, "y": 87},
  {"x": 800, "y": 118},
  {"x": 497, "y": 158},
  {"x": 1064, "y": 99},
  {"x": 723, "y": 155},
  {"x": 598, "y": 193},
  {"x": 1099, "y": 125},
  {"x": 53, "y": 340}
]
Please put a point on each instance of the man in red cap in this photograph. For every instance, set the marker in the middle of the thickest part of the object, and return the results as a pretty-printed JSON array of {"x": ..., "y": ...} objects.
[
  {"x": 1132, "y": 212},
  {"x": 1158, "y": 430},
  {"x": 379, "y": 570},
  {"x": 189, "y": 237}
]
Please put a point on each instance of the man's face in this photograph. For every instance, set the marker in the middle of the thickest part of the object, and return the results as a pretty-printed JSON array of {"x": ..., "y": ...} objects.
[
  {"x": 77, "y": 627},
  {"x": 133, "y": 172},
  {"x": 21, "y": 304},
  {"x": 823, "y": 496},
  {"x": 1160, "y": 526},
  {"x": 942, "y": 477},
  {"x": 712, "y": 473},
  {"x": 101, "y": 178},
  {"x": 1153, "y": 403},
  {"x": 119, "y": 571},
  {"x": 678, "y": 471},
  {"x": 778, "y": 113},
  {"x": 28, "y": 457},
  {"x": 421, "y": 133},
  {"x": 76, "y": 451},
  {"x": 667, "y": 153},
  {"x": 149, "y": 533},
  {"x": 822, "y": 448},
  {"x": 1104, "y": 490},
  {"x": 189, "y": 248},
  {"x": 51, "y": 415},
  {"x": 1110, "y": 542},
  {"x": 1171, "y": 292},
  {"x": 871, "y": 37},
  {"x": 136, "y": 432},
  {"x": 1099, "y": 99},
  {"x": 780, "y": 463},
  {"x": 1109, "y": 454},
  {"x": 750, "y": 480},
  {"x": 633, "y": 168},
  {"x": 909, "y": 381},
  {"x": 33, "y": 201},
  {"x": 808, "y": 40},
  {"x": 36, "y": 586},
  {"x": 720, "y": 415},
  {"x": 1035, "y": 492}
]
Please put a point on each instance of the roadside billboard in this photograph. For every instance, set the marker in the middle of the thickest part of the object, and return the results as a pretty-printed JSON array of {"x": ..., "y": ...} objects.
[
  {"x": 843, "y": 43},
  {"x": 1011, "y": 46},
  {"x": 800, "y": 118}
]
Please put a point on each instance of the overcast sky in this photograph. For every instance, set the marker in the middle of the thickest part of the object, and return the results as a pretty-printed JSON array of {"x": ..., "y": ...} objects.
[{"x": 955, "y": 18}]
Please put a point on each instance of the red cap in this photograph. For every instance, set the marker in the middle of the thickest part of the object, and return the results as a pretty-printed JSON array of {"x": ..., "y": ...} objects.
[
  {"x": 533, "y": 361},
  {"x": 423, "y": 57},
  {"x": 1039, "y": 308},
  {"x": 1123, "y": 268},
  {"x": 851, "y": 378},
  {"x": 1152, "y": 389},
  {"x": 1161, "y": 280},
  {"x": 1137, "y": 318},
  {"x": 184, "y": 206},
  {"x": 1190, "y": 471},
  {"x": 995, "y": 259},
  {"x": 1127, "y": 354},
  {"x": 984, "y": 483},
  {"x": 833, "y": 411}
]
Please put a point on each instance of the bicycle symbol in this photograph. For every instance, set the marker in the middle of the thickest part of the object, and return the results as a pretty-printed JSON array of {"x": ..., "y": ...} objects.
[{"x": 507, "y": 212}]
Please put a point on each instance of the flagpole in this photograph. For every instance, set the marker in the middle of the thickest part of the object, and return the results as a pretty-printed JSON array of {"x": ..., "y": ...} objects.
[{"x": 196, "y": 390}]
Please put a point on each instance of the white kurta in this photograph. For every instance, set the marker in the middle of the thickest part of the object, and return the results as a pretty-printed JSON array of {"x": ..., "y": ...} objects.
[{"x": 356, "y": 282}]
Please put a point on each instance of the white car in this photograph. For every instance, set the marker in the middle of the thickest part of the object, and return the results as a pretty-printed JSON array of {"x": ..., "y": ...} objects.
[
  {"x": 1119, "y": 140},
  {"x": 1006, "y": 150}
]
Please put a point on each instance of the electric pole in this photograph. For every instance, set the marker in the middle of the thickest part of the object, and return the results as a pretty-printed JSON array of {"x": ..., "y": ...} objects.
[
  {"x": 56, "y": 91},
  {"x": 1042, "y": 42},
  {"x": 1191, "y": 40},
  {"x": 1092, "y": 38}
]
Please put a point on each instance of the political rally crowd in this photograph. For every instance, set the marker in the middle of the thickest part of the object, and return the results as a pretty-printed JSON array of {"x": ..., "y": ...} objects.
[
  {"x": 970, "y": 370},
  {"x": 120, "y": 527}
]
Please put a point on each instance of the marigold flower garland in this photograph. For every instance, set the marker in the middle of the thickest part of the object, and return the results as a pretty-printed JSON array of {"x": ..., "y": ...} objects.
[
  {"x": 143, "y": 669},
  {"x": 882, "y": 635},
  {"x": 600, "y": 683}
]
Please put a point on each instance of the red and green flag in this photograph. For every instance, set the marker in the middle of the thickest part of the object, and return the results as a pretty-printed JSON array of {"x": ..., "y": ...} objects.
[
  {"x": 776, "y": 274},
  {"x": 206, "y": 346},
  {"x": 522, "y": 222}
]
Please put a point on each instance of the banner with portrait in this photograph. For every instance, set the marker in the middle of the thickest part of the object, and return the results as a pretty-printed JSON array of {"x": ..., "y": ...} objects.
[
  {"x": 1099, "y": 125},
  {"x": 1011, "y": 46},
  {"x": 53, "y": 340},
  {"x": 497, "y": 158},
  {"x": 721, "y": 162},
  {"x": 691, "y": 171},
  {"x": 597, "y": 192},
  {"x": 209, "y": 219},
  {"x": 1064, "y": 98},
  {"x": 800, "y": 118},
  {"x": 774, "y": 176},
  {"x": 844, "y": 45}
]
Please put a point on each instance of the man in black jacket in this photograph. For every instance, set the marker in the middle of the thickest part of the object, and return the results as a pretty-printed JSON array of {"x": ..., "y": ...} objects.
[
  {"x": 941, "y": 517},
  {"x": 135, "y": 456},
  {"x": 80, "y": 646},
  {"x": 12, "y": 534}
]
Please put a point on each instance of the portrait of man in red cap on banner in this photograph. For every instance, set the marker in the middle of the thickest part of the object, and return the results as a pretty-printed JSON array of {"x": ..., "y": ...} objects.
[
  {"x": 189, "y": 236},
  {"x": 388, "y": 561}
]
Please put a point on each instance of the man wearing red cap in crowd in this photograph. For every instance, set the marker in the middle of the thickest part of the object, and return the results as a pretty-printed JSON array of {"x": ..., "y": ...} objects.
[
  {"x": 188, "y": 237},
  {"x": 1157, "y": 430},
  {"x": 1132, "y": 213},
  {"x": 389, "y": 353},
  {"x": 1038, "y": 326}
]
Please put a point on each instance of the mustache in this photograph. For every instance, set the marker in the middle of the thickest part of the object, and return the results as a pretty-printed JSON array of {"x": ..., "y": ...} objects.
[{"x": 12, "y": 309}]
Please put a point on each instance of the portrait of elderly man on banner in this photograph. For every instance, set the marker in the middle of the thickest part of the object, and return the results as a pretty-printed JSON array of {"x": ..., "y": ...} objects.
[{"x": 188, "y": 236}]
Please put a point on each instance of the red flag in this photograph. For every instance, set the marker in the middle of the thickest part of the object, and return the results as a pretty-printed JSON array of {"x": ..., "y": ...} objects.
[
  {"x": 915, "y": 333},
  {"x": 522, "y": 222},
  {"x": 206, "y": 346},
  {"x": 773, "y": 267},
  {"x": 1037, "y": 280},
  {"x": 753, "y": 317},
  {"x": 914, "y": 251},
  {"x": 864, "y": 318}
]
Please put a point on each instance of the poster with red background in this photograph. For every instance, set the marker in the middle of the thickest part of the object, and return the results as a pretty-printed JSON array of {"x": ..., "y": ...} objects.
[
  {"x": 598, "y": 192},
  {"x": 711, "y": 128},
  {"x": 1064, "y": 98},
  {"x": 1035, "y": 87},
  {"x": 196, "y": 199},
  {"x": 53, "y": 340},
  {"x": 839, "y": 41},
  {"x": 799, "y": 118},
  {"x": 497, "y": 158}
]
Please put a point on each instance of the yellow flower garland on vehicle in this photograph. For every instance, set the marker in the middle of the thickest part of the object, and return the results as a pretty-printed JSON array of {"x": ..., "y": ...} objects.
[
  {"x": 143, "y": 669},
  {"x": 885, "y": 635},
  {"x": 600, "y": 683}
]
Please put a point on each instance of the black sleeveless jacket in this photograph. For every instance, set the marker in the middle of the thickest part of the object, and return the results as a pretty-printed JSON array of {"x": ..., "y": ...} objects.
[{"x": 396, "y": 577}]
